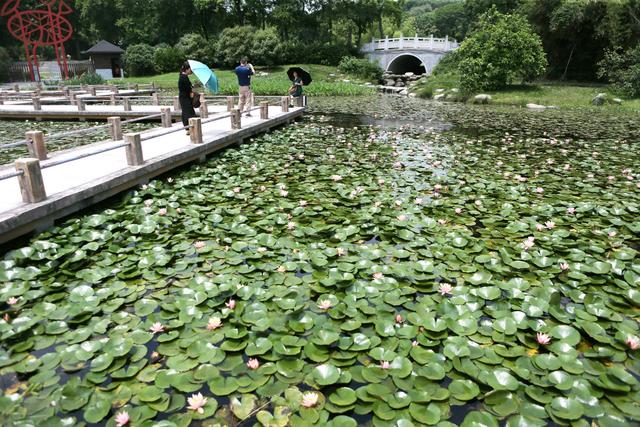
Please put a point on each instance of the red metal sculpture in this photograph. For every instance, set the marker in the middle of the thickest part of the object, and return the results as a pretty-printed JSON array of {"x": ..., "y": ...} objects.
[{"x": 40, "y": 27}]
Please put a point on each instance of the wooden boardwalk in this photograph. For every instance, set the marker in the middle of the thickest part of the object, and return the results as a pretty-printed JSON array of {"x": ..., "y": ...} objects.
[
  {"x": 72, "y": 185},
  {"x": 71, "y": 112}
]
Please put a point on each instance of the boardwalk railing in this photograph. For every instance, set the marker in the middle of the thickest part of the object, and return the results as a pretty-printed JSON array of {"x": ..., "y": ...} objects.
[
  {"x": 431, "y": 43},
  {"x": 49, "y": 70},
  {"x": 29, "y": 170}
]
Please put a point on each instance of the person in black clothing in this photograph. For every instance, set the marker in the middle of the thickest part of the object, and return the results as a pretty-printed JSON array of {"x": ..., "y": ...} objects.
[{"x": 186, "y": 94}]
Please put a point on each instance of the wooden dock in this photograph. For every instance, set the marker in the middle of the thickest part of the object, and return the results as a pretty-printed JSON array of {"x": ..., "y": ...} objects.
[
  {"x": 37, "y": 192},
  {"x": 71, "y": 112}
]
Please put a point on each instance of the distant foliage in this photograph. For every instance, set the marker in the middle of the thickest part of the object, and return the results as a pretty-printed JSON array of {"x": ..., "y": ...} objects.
[
  {"x": 139, "y": 60},
  {"x": 265, "y": 47},
  {"x": 196, "y": 47},
  {"x": 90, "y": 79},
  {"x": 360, "y": 68},
  {"x": 504, "y": 49},
  {"x": 622, "y": 70},
  {"x": 235, "y": 43},
  {"x": 168, "y": 58}
]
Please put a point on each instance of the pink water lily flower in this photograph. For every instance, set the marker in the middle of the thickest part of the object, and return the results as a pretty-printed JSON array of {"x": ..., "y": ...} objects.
[
  {"x": 309, "y": 399},
  {"x": 415, "y": 343},
  {"x": 156, "y": 328},
  {"x": 214, "y": 323},
  {"x": 445, "y": 289},
  {"x": 418, "y": 201},
  {"x": 402, "y": 217},
  {"x": 543, "y": 339},
  {"x": 564, "y": 266},
  {"x": 303, "y": 203},
  {"x": 539, "y": 190},
  {"x": 341, "y": 251},
  {"x": 12, "y": 301},
  {"x": 458, "y": 211},
  {"x": 199, "y": 244},
  {"x": 611, "y": 177},
  {"x": 122, "y": 418},
  {"x": 336, "y": 177},
  {"x": 378, "y": 275},
  {"x": 291, "y": 225},
  {"x": 399, "y": 318},
  {"x": 528, "y": 244},
  {"x": 539, "y": 227},
  {"x": 253, "y": 364},
  {"x": 197, "y": 402},
  {"x": 162, "y": 211},
  {"x": 148, "y": 202},
  {"x": 231, "y": 304},
  {"x": 284, "y": 193},
  {"x": 571, "y": 210},
  {"x": 282, "y": 269},
  {"x": 236, "y": 189},
  {"x": 550, "y": 224},
  {"x": 442, "y": 221},
  {"x": 324, "y": 304},
  {"x": 612, "y": 234},
  {"x": 633, "y": 342},
  {"x": 385, "y": 365},
  {"x": 381, "y": 181}
]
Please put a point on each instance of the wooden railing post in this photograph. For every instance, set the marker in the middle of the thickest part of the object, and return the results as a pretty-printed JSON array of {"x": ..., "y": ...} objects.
[
  {"x": 112, "y": 99},
  {"x": 114, "y": 89},
  {"x": 165, "y": 118},
  {"x": 16, "y": 87},
  {"x": 126, "y": 102},
  {"x": 136, "y": 87},
  {"x": 67, "y": 92},
  {"x": 72, "y": 97},
  {"x": 92, "y": 90},
  {"x": 236, "y": 119},
  {"x": 133, "y": 149},
  {"x": 284, "y": 103},
  {"x": 115, "y": 128},
  {"x": 195, "y": 130},
  {"x": 176, "y": 104},
  {"x": 31, "y": 182},
  {"x": 230, "y": 103},
  {"x": 37, "y": 105},
  {"x": 36, "y": 145},
  {"x": 155, "y": 100},
  {"x": 204, "y": 110},
  {"x": 264, "y": 110},
  {"x": 298, "y": 101},
  {"x": 81, "y": 105}
]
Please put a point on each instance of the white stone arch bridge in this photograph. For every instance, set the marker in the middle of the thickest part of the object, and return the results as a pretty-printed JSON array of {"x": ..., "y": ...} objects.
[{"x": 418, "y": 55}]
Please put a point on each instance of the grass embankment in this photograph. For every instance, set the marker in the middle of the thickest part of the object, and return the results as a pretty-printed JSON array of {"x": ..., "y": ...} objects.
[
  {"x": 548, "y": 93},
  {"x": 327, "y": 81}
]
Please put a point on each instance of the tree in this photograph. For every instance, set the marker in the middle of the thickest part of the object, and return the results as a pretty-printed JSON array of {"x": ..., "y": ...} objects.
[
  {"x": 622, "y": 70},
  {"x": 235, "y": 43},
  {"x": 139, "y": 60},
  {"x": 502, "y": 50},
  {"x": 195, "y": 46}
]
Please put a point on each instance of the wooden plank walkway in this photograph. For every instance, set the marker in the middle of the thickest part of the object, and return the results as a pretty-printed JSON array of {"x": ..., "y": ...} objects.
[
  {"x": 92, "y": 112},
  {"x": 80, "y": 183}
]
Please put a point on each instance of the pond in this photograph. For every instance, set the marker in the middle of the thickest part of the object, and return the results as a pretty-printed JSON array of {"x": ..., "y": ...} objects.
[{"x": 384, "y": 261}]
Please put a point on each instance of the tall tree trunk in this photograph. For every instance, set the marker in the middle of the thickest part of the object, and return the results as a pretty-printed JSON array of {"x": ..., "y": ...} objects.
[
  {"x": 566, "y": 68},
  {"x": 380, "y": 30}
]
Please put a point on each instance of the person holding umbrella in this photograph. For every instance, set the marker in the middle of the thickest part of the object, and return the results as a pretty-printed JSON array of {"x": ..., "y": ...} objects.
[
  {"x": 185, "y": 94},
  {"x": 244, "y": 72},
  {"x": 300, "y": 78}
]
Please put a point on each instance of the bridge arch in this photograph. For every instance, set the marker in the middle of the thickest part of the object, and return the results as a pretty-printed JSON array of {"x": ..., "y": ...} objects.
[{"x": 406, "y": 62}]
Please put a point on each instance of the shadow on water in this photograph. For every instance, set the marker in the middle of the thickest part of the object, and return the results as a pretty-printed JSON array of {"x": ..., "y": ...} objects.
[{"x": 347, "y": 120}]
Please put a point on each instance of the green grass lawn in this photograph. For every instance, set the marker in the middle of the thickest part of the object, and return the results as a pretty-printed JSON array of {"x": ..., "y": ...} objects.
[{"x": 326, "y": 81}]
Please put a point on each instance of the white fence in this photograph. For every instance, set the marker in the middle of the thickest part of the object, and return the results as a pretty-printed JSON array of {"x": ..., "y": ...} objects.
[{"x": 427, "y": 43}]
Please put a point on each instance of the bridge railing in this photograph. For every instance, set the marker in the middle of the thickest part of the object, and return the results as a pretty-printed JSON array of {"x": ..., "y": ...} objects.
[{"x": 432, "y": 43}]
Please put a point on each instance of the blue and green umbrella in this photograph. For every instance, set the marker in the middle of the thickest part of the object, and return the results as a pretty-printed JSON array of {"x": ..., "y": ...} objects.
[{"x": 205, "y": 75}]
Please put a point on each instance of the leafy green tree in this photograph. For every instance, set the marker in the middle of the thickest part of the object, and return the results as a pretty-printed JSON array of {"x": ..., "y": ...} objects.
[
  {"x": 622, "y": 70},
  {"x": 139, "y": 60},
  {"x": 235, "y": 43},
  {"x": 265, "y": 47},
  {"x": 167, "y": 58},
  {"x": 195, "y": 46},
  {"x": 503, "y": 49},
  {"x": 449, "y": 20}
]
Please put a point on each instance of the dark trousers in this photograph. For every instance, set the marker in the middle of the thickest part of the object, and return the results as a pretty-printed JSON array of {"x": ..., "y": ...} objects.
[{"x": 187, "y": 110}]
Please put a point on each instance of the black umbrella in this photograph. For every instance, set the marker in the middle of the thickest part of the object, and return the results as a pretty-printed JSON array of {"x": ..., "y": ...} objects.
[{"x": 305, "y": 76}]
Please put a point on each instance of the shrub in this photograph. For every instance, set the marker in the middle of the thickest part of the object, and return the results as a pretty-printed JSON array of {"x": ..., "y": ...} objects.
[
  {"x": 168, "y": 58},
  {"x": 235, "y": 43},
  {"x": 5, "y": 62},
  {"x": 90, "y": 79},
  {"x": 502, "y": 50},
  {"x": 139, "y": 60},
  {"x": 194, "y": 46},
  {"x": 265, "y": 47},
  {"x": 622, "y": 70},
  {"x": 360, "y": 67}
]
